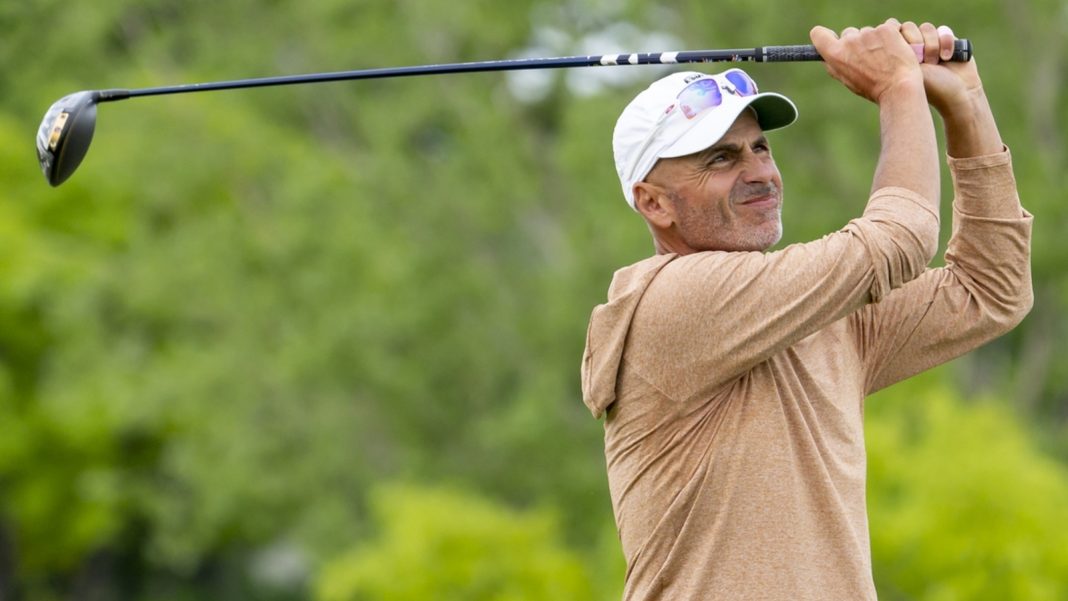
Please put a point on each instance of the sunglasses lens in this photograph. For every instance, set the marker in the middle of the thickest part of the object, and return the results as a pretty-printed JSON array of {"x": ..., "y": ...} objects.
[
  {"x": 698, "y": 96},
  {"x": 742, "y": 82}
]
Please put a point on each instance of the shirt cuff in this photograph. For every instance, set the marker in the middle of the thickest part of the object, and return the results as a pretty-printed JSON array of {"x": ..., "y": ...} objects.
[
  {"x": 981, "y": 162},
  {"x": 985, "y": 186}
]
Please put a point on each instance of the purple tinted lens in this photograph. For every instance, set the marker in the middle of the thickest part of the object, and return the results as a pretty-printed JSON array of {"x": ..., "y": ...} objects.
[
  {"x": 698, "y": 96},
  {"x": 742, "y": 83}
]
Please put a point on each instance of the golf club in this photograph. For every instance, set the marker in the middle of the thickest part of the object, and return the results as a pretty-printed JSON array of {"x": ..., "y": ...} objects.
[{"x": 67, "y": 128}]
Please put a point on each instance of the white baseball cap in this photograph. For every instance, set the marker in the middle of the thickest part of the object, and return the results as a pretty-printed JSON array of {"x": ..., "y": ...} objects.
[{"x": 685, "y": 113}]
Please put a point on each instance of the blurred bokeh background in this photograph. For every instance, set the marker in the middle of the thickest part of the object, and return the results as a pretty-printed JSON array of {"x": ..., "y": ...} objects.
[{"x": 322, "y": 342}]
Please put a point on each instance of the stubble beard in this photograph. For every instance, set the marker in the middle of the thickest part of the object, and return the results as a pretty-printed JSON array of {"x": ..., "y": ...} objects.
[{"x": 707, "y": 230}]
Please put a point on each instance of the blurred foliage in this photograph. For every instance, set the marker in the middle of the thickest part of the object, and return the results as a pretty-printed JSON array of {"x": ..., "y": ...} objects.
[
  {"x": 963, "y": 504},
  {"x": 248, "y": 308},
  {"x": 437, "y": 544}
]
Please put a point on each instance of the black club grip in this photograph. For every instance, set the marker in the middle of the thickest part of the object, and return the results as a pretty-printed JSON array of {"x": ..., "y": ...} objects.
[
  {"x": 789, "y": 54},
  {"x": 962, "y": 53}
]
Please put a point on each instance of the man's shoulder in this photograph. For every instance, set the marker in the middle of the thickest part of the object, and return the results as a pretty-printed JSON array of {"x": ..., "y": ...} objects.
[
  {"x": 699, "y": 267},
  {"x": 652, "y": 262},
  {"x": 639, "y": 273}
]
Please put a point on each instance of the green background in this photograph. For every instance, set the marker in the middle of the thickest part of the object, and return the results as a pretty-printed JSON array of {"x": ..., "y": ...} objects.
[{"x": 322, "y": 342}]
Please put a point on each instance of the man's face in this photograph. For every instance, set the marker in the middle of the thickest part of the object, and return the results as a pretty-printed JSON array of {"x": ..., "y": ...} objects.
[{"x": 726, "y": 197}]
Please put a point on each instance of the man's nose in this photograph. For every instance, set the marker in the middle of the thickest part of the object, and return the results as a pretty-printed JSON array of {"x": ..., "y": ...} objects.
[{"x": 758, "y": 167}]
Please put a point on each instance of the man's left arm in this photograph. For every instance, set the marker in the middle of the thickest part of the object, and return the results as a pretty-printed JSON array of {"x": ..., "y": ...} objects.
[
  {"x": 983, "y": 291},
  {"x": 985, "y": 288}
]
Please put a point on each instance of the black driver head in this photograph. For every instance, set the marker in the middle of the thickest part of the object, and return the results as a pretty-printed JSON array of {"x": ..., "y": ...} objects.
[{"x": 65, "y": 134}]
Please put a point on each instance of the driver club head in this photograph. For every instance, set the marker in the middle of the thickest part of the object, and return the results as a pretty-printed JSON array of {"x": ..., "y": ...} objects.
[{"x": 65, "y": 134}]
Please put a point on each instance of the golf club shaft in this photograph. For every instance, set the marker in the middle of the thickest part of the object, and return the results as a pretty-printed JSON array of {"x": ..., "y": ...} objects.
[{"x": 764, "y": 54}]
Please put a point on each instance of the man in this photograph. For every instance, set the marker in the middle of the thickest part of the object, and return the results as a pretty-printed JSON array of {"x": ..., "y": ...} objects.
[{"x": 732, "y": 380}]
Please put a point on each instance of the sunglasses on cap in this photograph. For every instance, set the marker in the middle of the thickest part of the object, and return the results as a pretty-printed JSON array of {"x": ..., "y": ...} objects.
[{"x": 705, "y": 93}]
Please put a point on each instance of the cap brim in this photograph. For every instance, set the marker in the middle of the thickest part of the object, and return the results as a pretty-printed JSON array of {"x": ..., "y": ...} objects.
[{"x": 773, "y": 112}]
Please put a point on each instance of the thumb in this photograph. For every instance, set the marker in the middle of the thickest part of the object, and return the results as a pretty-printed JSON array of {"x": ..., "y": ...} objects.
[{"x": 822, "y": 38}]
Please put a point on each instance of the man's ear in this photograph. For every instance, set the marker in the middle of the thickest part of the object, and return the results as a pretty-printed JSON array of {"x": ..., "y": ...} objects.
[{"x": 654, "y": 203}]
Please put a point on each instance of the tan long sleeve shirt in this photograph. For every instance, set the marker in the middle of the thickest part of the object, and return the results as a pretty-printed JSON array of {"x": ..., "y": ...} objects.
[{"x": 733, "y": 384}]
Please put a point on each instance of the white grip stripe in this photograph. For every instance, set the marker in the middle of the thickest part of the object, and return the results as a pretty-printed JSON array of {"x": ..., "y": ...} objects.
[{"x": 669, "y": 57}]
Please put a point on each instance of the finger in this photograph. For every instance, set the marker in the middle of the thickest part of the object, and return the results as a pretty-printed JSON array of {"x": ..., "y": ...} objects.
[
  {"x": 945, "y": 42},
  {"x": 822, "y": 33},
  {"x": 850, "y": 32},
  {"x": 827, "y": 45},
  {"x": 930, "y": 43},
  {"x": 911, "y": 32},
  {"x": 823, "y": 39}
]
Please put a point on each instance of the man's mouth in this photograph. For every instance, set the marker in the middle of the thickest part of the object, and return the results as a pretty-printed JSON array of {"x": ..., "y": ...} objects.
[{"x": 762, "y": 201}]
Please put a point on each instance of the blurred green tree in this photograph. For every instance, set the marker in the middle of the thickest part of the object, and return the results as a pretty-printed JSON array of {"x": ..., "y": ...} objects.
[
  {"x": 247, "y": 308},
  {"x": 963, "y": 503},
  {"x": 442, "y": 544}
]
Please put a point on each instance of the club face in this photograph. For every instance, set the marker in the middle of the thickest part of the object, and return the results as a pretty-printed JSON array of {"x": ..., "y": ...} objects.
[{"x": 64, "y": 135}]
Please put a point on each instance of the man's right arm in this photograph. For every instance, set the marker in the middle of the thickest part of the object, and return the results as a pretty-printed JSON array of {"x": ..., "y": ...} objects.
[
  {"x": 878, "y": 64},
  {"x": 722, "y": 313}
]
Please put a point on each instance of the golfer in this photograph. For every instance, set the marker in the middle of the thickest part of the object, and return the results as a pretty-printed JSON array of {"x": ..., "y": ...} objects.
[{"x": 732, "y": 380}]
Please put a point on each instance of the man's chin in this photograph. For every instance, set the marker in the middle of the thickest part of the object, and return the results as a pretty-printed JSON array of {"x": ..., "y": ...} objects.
[{"x": 768, "y": 239}]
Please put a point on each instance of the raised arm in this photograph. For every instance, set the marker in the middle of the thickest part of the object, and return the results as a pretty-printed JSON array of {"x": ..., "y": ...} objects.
[
  {"x": 956, "y": 92},
  {"x": 985, "y": 288},
  {"x": 758, "y": 304},
  {"x": 721, "y": 313},
  {"x": 877, "y": 64}
]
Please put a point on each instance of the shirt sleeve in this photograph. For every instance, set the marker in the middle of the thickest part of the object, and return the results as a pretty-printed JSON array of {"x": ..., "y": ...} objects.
[
  {"x": 709, "y": 317},
  {"x": 983, "y": 291}
]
